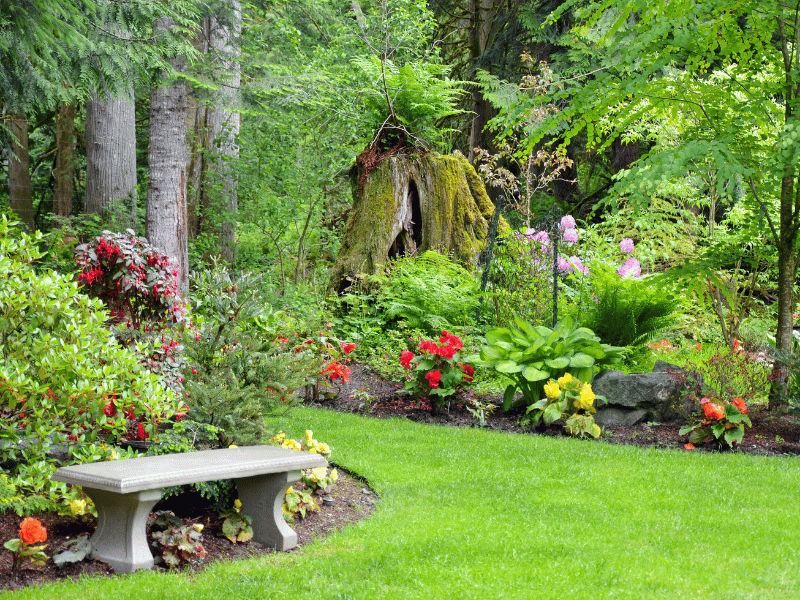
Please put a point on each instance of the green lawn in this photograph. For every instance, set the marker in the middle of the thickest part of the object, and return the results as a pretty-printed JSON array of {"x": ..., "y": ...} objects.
[{"x": 466, "y": 513}]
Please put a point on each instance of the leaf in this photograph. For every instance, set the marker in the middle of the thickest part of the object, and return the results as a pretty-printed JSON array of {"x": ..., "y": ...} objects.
[
  {"x": 508, "y": 396},
  {"x": 551, "y": 413},
  {"x": 558, "y": 363},
  {"x": 581, "y": 361},
  {"x": 698, "y": 436},
  {"x": 508, "y": 366},
  {"x": 534, "y": 374},
  {"x": 734, "y": 435}
]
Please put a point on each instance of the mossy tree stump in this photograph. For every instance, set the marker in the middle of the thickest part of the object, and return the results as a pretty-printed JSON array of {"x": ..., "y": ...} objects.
[{"x": 410, "y": 204}]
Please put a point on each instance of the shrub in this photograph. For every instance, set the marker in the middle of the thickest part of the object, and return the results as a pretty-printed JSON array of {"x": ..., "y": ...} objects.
[
  {"x": 60, "y": 366},
  {"x": 436, "y": 372},
  {"x": 529, "y": 356},
  {"x": 723, "y": 420},
  {"x": 628, "y": 312}
]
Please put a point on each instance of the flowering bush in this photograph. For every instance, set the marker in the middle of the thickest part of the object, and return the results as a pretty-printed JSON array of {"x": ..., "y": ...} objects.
[
  {"x": 60, "y": 366},
  {"x": 571, "y": 400},
  {"x": 721, "y": 420},
  {"x": 31, "y": 532},
  {"x": 436, "y": 372}
]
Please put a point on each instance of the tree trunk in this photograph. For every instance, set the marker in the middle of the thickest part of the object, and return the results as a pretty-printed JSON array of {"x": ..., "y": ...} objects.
[
  {"x": 19, "y": 172},
  {"x": 166, "y": 223},
  {"x": 224, "y": 120},
  {"x": 199, "y": 146},
  {"x": 483, "y": 27},
  {"x": 408, "y": 205},
  {"x": 111, "y": 158},
  {"x": 65, "y": 160}
]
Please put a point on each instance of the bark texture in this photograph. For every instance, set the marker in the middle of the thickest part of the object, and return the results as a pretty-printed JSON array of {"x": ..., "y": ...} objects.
[
  {"x": 19, "y": 171},
  {"x": 166, "y": 222},
  {"x": 65, "y": 160},
  {"x": 408, "y": 205},
  {"x": 111, "y": 157}
]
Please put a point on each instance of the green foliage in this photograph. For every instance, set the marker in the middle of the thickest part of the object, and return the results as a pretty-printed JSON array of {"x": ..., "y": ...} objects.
[
  {"x": 60, "y": 366},
  {"x": 521, "y": 280},
  {"x": 20, "y": 502},
  {"x": 236, "y": 526},
  {"x": 177, "y": 543},
  {"x": 428, "y": 292},
  {"x": 242, "y": 365},
  {"x": 73, "y": 551},
  {"x": 414, "y": 96},
  {"x": 530, "y": 355},
  {"x": 628, "y": 312}
]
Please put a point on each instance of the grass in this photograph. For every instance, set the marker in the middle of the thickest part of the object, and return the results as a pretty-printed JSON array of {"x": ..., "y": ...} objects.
[{"x": 467, "y": 513}]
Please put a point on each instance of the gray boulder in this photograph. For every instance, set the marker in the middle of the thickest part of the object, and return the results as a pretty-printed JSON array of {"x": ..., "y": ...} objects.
[{"x": 641, "y": 397}]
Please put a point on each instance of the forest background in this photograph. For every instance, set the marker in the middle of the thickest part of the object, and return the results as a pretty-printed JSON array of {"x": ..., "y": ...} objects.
[{"x": 226, "y": 130}]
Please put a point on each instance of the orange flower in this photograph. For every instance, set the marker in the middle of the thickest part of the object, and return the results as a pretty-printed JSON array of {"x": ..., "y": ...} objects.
[
  {"x": 713, "y": 410},
  {"x": 689, "y": 446},
  {"x": 31, "y": 531},
  {"x": 739, "y": 403}
]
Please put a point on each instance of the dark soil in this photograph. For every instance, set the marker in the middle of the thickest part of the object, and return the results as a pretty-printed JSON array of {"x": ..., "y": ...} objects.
[{"x": 368, "y": 394}]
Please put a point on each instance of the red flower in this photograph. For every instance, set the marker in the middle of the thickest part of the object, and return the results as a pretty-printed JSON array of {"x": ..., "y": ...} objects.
[
  {"x": 31, "y": 531},
  {"x": 698, "y": 346},
  {"x": 141, "y": 433},
  {"x": 110, "y": 410},
  {"x": 469, "y": 371},
  {"x": 405, "y": 359},
  {"x": 689, "y": 446},
  {"x": 347, "y": 348},
  {"x": 713, "y": 410},
  {"x": 433, "y": 378},
  {"x": 739, "y": 403}
]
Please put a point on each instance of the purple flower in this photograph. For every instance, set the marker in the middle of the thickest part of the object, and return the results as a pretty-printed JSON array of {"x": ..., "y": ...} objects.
[
  {"x": 631, "y": 268},
  {"x": 567, "y": 222},
  {"x": 563, "y": 265},
  {"x": 571, "y": 235},
  {"x": 530, "y": 233},
  {"x": 626, "y": 245}
]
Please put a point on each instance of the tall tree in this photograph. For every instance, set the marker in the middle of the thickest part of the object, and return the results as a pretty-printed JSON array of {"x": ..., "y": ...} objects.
[
  {"x": 19, "y": 173},
  {"x": 166, "y": 221},
  {"x": 111, "y": 157},
  {"x": 64, "y": 169}
]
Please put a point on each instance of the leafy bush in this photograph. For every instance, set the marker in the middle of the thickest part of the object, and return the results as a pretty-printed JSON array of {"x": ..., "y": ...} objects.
[
  {"x": 628, "y": 312},
  {"x": 723, "y": 420},
  {"x": 60, "y": 366},
  {"x": 243, "y": 367},
  {"x": 529, "y": 356}
]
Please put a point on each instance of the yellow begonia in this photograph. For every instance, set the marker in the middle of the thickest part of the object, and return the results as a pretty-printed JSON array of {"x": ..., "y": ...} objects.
[
  {"x": 552, "y": 390},
  {"x": 292, "y": 444},
  {"x": 564, "y": 379},
  {"x": 586, "y": 399},
  {"x": 278, "y": 438},
  {"x": 237, "y": 504},
  {"x": 319, "y": 473},
  {"x": 321, "y": 449},
  {"x": 77, "y": 507}
]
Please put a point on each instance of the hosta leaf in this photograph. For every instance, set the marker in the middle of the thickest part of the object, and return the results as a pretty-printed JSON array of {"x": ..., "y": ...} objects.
[
  {"x": 558, "y": 363},
  {"x": 581, "y": 360},
  {"x": 508, "y": 366},
  {"x": 498, "y": 334},
  {"x": 508, "y": 396},
  {"x": 533, "y": 374}
]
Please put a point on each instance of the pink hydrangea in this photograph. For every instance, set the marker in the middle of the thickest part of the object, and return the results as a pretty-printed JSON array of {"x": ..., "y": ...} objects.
[
  {"x": 626, "y": 245},
  {"x": 571, "y": 235},
  {"x": 631, "y": 268}
]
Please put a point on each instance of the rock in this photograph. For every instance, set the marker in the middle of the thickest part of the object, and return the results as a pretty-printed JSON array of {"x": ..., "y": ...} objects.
[{"x": 640, "y": 397}]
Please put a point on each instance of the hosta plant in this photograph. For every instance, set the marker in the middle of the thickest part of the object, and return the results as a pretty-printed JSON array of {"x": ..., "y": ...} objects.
[
  {"x": 531, "y": 355},
  {"x": 720, "y": 420},
  {"x": 570, "y": 400}
]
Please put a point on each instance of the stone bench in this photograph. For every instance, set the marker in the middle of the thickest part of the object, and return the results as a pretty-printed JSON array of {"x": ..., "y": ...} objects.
[{"x": 124, "y": 492}]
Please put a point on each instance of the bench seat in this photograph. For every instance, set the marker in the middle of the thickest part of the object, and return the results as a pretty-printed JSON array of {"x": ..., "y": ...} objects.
[{"x": 125, "y": 491}]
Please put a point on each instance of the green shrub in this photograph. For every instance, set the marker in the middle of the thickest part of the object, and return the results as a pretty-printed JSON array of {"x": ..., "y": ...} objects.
[
  {"x": 529, "y": 356},
  {"x": 60, "y": 366},
  {"x": 628, "y": 312}
]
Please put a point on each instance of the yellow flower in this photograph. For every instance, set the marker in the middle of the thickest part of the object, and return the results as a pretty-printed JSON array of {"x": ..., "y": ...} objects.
[
  {"x": 197, "y": 527},
  {"x": 319, "y": 473},
  {"x": 77, "y": 507},
  {"x": 309, "y": 438},
  {"x": 564, "y": 380},
  {"x": 291, "y": 444},
  {"x": 278, "y": 438},
  {"x": 321, "y": 449},
  {"x": 237, "y": 504},
  {"x": 552, "y": 390},
  {"x": 233, "y": 446},
  {"x": 586, "y": 399}
]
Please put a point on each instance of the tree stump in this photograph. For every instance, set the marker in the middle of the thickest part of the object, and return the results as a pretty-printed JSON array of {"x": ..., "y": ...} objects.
[{"x": 411, "y": 204}]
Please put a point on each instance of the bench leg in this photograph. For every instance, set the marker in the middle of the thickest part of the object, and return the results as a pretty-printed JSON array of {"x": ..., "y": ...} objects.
[
  {"x": 262, "y": 498},
  {"x": 121, "y": 538}
]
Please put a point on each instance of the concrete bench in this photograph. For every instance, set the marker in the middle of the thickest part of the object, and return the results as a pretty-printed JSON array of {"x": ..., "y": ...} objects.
[{"x": 124, "y": 492}]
